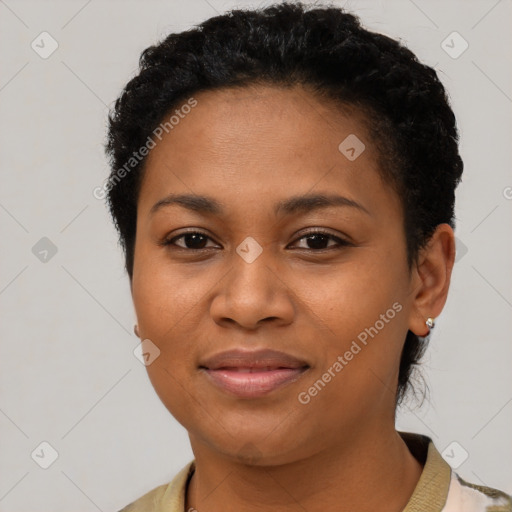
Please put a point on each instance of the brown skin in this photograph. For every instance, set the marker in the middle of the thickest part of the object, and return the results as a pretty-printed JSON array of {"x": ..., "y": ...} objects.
[{"x": 249, "y": 148}]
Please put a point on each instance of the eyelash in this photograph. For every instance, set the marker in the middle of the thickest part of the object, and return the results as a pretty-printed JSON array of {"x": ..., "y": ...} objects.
[{"x": 168, "y": 242}]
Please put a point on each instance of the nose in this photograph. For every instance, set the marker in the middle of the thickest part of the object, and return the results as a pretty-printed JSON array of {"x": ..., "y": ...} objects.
[{"x": 252, "y": 294}]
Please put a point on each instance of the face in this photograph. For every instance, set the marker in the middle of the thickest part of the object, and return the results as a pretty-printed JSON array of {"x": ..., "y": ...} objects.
[{"x": 246, "y": 270}]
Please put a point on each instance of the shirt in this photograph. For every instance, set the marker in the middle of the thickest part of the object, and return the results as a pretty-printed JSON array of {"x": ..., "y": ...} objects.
[{"x": 439, "y": 488}]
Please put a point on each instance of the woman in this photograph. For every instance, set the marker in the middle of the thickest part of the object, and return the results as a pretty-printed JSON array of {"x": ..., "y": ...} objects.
[{"x": 283, "y": 184}]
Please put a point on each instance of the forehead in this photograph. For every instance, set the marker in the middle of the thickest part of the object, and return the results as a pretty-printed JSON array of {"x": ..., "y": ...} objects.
[{"x": 258, "y": 143}]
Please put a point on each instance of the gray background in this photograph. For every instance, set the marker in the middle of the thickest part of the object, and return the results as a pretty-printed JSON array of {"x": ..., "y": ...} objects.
[{"x": 68, "y": 374}]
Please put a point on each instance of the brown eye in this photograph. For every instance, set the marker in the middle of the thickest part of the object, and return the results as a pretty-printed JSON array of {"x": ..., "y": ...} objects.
[
  {"x": 314, "y": 240},
  {"x": 193, "y": 240},
  {"x": 318, "y": 240}
]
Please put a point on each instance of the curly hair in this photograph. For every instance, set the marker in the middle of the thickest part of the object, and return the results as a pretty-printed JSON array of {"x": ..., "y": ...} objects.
[{"x": 326, "y": 50}]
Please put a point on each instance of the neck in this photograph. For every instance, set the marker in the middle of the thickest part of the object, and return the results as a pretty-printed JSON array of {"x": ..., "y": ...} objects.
[{"x": 374, "y": 471}]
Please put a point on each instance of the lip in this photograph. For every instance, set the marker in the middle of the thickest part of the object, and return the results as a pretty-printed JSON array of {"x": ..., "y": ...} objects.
[{"x": 252, "y": 374}]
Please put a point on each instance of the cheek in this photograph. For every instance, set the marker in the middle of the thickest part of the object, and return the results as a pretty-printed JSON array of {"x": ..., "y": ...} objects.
[
  {"x": 165, "y": 296},
  {"x": 164, "y": 303},
  {"x": 362, "y": 318},
  {"x": 351, "y": 297}
]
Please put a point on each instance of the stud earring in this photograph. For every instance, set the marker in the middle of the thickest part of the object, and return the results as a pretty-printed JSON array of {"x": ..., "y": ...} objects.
[
  {"x": 136, "y": 330},
  {"x": 430, "y": 324}
]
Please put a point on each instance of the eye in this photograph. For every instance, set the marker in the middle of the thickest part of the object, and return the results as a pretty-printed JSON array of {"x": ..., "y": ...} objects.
[
  {"x": 194, "y": 240},
  {"x": 318, "y": 238},
  {"x": 316, "y": 241}
]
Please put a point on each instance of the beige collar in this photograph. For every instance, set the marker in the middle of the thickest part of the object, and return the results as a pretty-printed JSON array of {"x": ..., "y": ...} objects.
[
  {"x": 429, "y": 494},
  {"x": 431, "y": 491}
]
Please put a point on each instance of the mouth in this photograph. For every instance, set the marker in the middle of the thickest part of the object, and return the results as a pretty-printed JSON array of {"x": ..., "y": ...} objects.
[{"x": 252, "y": 374}]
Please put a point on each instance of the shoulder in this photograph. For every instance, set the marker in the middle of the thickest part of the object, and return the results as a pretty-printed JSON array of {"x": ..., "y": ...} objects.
[
  {"x": 463, "y": 495},
  {"x": 440, "y": 488},
  {"x": 148, "y": 502},
  {"x": 168, "y": 497}
]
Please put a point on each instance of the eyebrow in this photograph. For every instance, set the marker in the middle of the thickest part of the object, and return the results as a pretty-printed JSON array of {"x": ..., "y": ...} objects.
[{"x": 292, "y": 205}]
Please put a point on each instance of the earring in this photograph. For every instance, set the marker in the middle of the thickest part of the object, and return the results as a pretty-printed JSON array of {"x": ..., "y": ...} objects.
[
  {"x": 136, "y": 330},
  {"x": 430, "y": 322}
]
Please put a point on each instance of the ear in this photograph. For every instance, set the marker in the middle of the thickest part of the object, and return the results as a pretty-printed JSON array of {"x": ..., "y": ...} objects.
[{"x": 431, "y": 278}]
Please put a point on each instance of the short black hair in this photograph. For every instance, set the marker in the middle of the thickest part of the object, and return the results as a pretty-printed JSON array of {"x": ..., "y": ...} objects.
[{"x": 326, "y": 50}]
